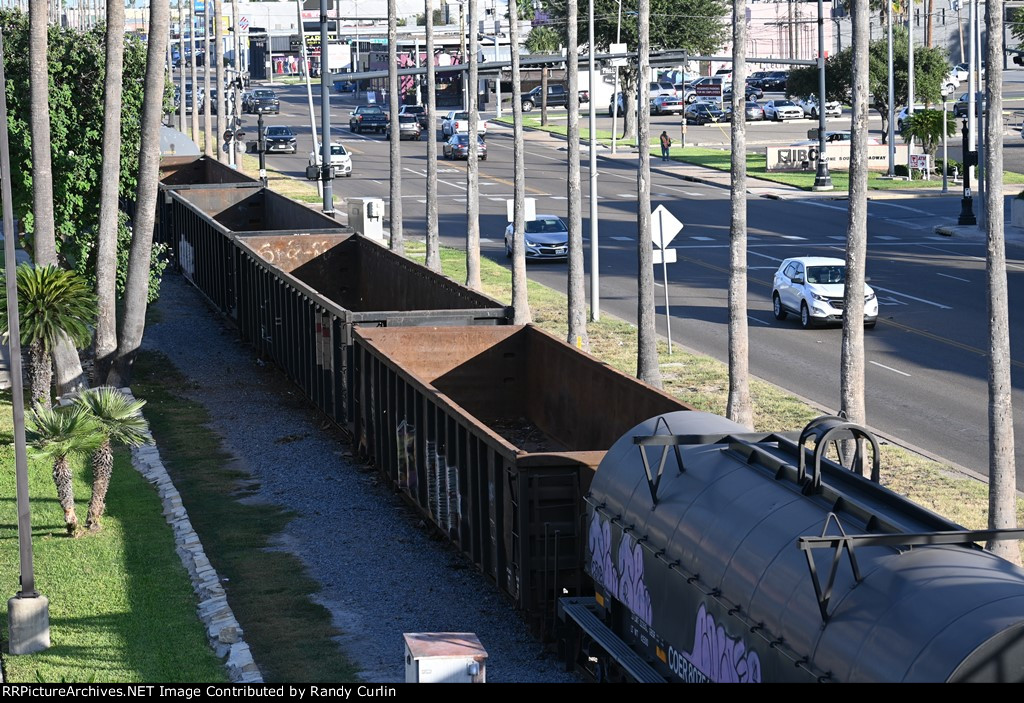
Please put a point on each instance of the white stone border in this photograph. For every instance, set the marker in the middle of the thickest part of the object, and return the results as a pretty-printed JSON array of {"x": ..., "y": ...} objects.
[{"x": 222, "y": 629}]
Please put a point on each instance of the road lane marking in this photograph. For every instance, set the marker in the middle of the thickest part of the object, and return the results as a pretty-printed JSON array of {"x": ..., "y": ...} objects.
[
  {"x": 793, "y": 237},
  {"x": 955, "y": 278},
  {"x": 754, "y": 319},
  {"x": 704, "y": 239},
  {"x": 903, "y": 207},
  {"x": 889, "y": 368},
  {"x": 824, "y": 205},
  {"x": 626, "y": 195},
  {"x": 920, "y": 300},
  {"x": 885, "y": 237},
  {"x": 622, "y": 239},
  {"x": 837, "y": 237},
  {"x": 485, "y": 240},
  {"x": 455, "y": 185},
  {"x": 558, "y": 197}
]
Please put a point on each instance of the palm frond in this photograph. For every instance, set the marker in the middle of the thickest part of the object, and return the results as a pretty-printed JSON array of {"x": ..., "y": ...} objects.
[
  {"x": 50, "y": 301},
  {"x": 61, "y": 432},
  {"x": 119, "y": 417}
]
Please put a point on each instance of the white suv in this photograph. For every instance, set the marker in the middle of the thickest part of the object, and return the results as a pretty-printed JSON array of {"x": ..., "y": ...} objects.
[{"x": 812, "y": 287}]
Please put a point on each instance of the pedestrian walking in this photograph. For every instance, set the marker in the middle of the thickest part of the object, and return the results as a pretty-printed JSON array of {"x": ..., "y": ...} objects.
[{"x": 666, "y": 144}]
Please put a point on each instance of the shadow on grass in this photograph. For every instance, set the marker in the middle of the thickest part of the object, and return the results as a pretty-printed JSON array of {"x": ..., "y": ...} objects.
[{"x": 269, "y": 591}]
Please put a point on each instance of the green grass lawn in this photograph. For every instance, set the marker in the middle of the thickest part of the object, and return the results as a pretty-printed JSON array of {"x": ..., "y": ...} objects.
[
  {"x": 291, "y": 637},
  {"x": 122, "y": 608}
]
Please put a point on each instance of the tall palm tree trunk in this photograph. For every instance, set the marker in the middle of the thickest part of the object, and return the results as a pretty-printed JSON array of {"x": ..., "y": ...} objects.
[
  {"x": 851, "y": 365},
  {"x": 137, "y": 285},
  {"x": 43, "y": 230},
  {"x": 577, "y": 300},
  {"x": 647, "y": 334},
  {"x": 520, "y": 300},
  {"x": 40, "y": 375},
  {"x": 65, "y": 493},
  {"x": 394, "y": 148},
  {"x": 473, "y": 165},
  {"x": 738, "y": 408},
  {"x": 1002, "y": 488},
  {"x": 106, "y": 247},
  {"x": 102, "y": 470},
  {"x": 433, "y": 259},
  {"x": 544, "y": 96}
]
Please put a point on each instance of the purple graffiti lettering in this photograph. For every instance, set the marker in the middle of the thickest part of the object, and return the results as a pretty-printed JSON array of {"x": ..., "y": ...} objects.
[
  {"x": 632, "y": 589},
  {"x": 601, "y": 554},
  {"x": 721, "y": 658}
]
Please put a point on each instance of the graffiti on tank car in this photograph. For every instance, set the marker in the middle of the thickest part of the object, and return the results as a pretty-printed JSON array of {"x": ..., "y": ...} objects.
[
  {"x": 624, "y": 578},
  {"x": 715, "y": 657}
]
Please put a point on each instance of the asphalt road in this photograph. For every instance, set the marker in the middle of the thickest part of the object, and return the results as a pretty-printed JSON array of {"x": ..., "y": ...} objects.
[{"x": 926, "y": 364}]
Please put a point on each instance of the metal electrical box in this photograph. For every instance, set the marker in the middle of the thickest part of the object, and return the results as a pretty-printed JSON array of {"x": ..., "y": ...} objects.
[
  {"x": 444, "y": 657},
  {"x": 366, "y": 217}
]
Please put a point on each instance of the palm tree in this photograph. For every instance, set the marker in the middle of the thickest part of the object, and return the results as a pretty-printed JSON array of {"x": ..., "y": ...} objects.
[
  {"x": 51, "y": 302},
  {"x": 851, "y": 365},
  {"x": 520, "y": 301},
  {"x": 647, "y": 336},
  {"x": 739, "y": 409},
  {"x": 433, "y": 258},
  {"x": 926, "y": 127},
  {"x": 395, "y": 152},
  {"x": 473, "y": 165},
  {"x": 545, "y": 40},
  {"x": 137, "y": 285},
  {"x": 1002, "y": 480},
  {"x": 577, "y": 301},
  {"x": 58, "y": 435},
  {"x": 106, "y": 248},
  {"x": 120, "y": 421},
  {"x": 43, "y": 231},
  {"x": 194, "y": 73}
]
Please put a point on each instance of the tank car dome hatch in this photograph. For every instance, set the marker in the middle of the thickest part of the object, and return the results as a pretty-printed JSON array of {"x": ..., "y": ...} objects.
[{"x": 712, "y": 559}]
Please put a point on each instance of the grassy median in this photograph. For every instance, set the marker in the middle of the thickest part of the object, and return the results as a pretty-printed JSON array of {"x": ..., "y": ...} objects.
[{"x": 122, "y": 608}]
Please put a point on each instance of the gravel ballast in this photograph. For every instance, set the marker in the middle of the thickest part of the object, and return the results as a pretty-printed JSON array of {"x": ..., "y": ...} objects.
[{"x": 381, "y": 571}]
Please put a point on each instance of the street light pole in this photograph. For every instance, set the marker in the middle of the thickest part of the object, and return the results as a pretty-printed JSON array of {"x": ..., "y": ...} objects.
[
  {"x": 595, "y": 294},
  {"x": 910, "y": 76},
  {"x": 28, "y": 612},
  {"x": 822, "y": 179},
  {"x": 326, "y": 168},
  {"x": 892, "y": 98}
]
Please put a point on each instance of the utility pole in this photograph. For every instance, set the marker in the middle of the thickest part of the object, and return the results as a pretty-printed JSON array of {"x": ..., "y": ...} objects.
[
  {"x": 326, "y": 168},
  {"x": 595, "y": 287}
]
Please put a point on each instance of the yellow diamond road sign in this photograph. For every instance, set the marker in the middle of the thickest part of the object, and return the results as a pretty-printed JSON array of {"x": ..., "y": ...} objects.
[{"x": 664, "y": 227}]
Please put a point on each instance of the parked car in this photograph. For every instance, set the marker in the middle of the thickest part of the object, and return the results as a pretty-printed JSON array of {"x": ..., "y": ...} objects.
[
  {"x": 753, "y": 112},
  {"x": 702, "y": 113},
  {"x": 662, "y": 88},
  {"x": 775, "y": 81},
  {"x": 408, "y": 128},
  {"x": 960, "y": 108},
  {"x": 809, "y": 104},
  {"x": 341, "y": 160},
  {"x": 456, "y": 122},
  {"x": 692, "y": 94},
  {"x": 813, "y": 288},
  {"x": 457, "y": 147},
  {"x": 903, "y": 114},
  {"x": 962, "y": 71},
  {"x": 547, "y": 237},
  {"x": 368, "y": 117},
  {"x": 262, "y": 100},
  {"x": 667, "y": 104},
  {"x": 780, "y": 110},
  {"x": 417, "y": 111},
  {"x": 278, "y": 138},
  {"x": 343, "y": 86}
]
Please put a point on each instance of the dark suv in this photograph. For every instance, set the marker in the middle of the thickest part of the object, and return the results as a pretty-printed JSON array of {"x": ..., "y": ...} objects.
[
  {"x": 263, "y": 100},
  {"x": 418, "y": 111}
]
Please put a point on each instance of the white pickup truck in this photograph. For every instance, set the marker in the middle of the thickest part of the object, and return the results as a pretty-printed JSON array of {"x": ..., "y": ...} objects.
[
  {"x": 457, "y": 122},
  {"x": 341, "y": 161}
]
